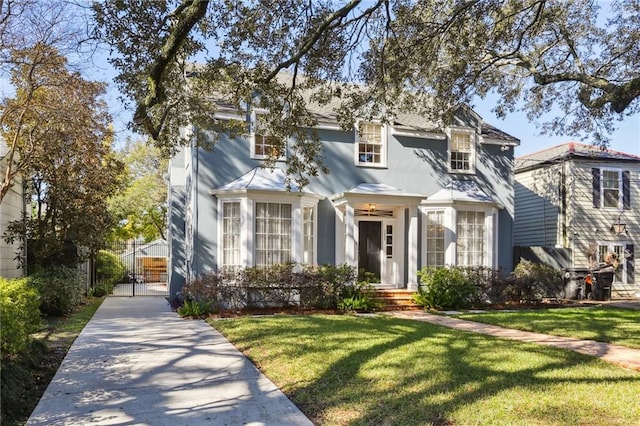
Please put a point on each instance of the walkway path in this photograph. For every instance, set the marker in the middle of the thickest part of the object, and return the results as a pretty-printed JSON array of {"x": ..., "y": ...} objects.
[
  {"x": 620, "y": 355},
  {"x": 137, "y": 362}
]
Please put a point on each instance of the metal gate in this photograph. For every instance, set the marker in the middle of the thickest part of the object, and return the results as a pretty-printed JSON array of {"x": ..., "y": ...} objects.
[{"x": 131, "y": 268}]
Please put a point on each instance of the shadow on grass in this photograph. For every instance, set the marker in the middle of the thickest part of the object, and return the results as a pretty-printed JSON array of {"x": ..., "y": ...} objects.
[{"x": 392, "y": 371}]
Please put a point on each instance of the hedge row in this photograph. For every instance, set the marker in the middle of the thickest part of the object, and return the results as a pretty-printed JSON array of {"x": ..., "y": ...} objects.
[
  {"x": 56, "y": 291},
  {"x": 459, "y": 288},
  {"x": 285, "y": 285}
]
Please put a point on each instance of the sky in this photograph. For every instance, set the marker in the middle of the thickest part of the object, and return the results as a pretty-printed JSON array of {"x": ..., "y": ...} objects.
[{"x": 626, "y": 139}]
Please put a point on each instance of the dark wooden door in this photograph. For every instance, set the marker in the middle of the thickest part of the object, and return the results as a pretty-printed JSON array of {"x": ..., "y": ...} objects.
[{"x": 370, "y": 240}]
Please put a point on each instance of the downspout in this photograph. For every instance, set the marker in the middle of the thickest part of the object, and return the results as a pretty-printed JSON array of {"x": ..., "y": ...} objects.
[{"x": 563, "y": 202}]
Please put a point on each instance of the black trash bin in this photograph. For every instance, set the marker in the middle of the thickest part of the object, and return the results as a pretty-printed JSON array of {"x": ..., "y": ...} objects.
[
  {"x": 574, "y": 283},
  {"x": 602, "y": 285}
]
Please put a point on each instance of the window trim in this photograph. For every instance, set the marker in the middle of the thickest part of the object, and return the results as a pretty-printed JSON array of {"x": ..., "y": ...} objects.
[
  {"x": 445, "y": 236},
  {"x": 254, "y": 133},
  {"x": 383, "y": 144},
  {"x": 248, "y": 226},
  {"x": 486, "y": 240},
  {"x": 223, "y": 248},
  {"x": 450, "y": 131},
  {"x": 620, "y": 204},
  {"x": 450, "y": 223}
]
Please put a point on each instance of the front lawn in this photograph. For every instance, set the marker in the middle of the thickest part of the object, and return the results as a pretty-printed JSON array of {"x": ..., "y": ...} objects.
[
  {"x": 610, "y": 325},
  {"x": 348, "y": 370}
]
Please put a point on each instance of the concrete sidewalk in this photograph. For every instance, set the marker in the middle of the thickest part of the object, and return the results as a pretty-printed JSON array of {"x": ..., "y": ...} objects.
[
  {"x": 616, "y": 354},
  {"x": 137, "y": 362}
]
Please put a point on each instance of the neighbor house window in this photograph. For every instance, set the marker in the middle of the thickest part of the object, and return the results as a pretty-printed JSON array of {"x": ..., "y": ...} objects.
[
  {"x": 470, "y": 243},
  {"x": 611, "y": 188},
  {"x": 272, "y": 233},
  {"x": 308, "y": 244},
  {"x": 461, "y": 152},
  {"x": 370, "y": 145},
  {"x": 435, "y": 238},
  {"x": 231, "y": 233}
]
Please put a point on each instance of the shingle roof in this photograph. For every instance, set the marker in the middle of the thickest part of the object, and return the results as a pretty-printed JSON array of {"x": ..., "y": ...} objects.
[
  {"x": 571, "y": 150},
  {"x": 461, "y": 191},
  {"x": 407, "y": 120}
]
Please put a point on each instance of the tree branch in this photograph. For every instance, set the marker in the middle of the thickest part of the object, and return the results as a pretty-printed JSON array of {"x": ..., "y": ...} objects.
[{"x": 189, "y": 14}]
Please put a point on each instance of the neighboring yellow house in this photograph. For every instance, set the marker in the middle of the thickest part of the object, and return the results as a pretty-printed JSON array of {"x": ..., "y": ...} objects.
[
  {"x": 11, "y": 208},
  {"x": 577, "y": 198}
]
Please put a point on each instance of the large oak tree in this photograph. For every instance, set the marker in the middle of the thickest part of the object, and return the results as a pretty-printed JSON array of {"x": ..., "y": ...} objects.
[{"x": 427, "y": 56}]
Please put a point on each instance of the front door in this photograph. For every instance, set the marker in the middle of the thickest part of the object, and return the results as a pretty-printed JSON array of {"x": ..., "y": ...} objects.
[{"x": 369, "y": 244}]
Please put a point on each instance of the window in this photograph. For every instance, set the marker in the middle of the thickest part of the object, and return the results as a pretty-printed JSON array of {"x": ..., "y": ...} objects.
[
  {"x": 273, "y": 234},
  {"x": 231, "y": 234},
  {"x": 620, "y": 254},
  {"x": 263, "y": 144},
  {"x": 308, "y": 240},
  {"x": 435, "y": 238},
  {"x": 370, "y": 146},
  {"x": 389, "y": 241},
  {"x": 470, "y": 238},
  {"x": 611, "y": 188},
  {"x": 461, "y": 152}
]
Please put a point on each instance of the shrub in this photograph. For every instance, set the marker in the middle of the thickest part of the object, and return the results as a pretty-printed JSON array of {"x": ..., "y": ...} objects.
[
  {"x": 278, "y": 285},
  {"x": 110, "y": 270},
  {"x": 195, "y": 308},
  {"x": 61, "y": 289},
  {"x": 358, "y": 298},
  {"x": 531, "y": 282},
  {"x": 270, "y": 286},
  {"x": 446, "y": 288},
  {"x": 324, "y": 286},
  {"x": 19, "y": 314}
]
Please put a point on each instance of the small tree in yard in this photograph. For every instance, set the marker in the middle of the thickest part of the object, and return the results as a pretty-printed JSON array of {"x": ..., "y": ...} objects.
[{"x": 59, "y": 139}]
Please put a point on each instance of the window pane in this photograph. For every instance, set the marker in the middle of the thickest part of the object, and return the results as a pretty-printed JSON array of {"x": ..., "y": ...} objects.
[
  {"x": 369, "y": 137},
  {"x": 611, "y": 188},
  {"x": 435, "y": 238},
  {"x": 471, "y": 232},
  {"x": 273, "y": 233},
  {"x": 461, "y": 146},
  {"x": 231, "y": 234}
]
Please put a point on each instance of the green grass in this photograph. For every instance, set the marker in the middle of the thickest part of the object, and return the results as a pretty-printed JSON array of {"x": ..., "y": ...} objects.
[
  {"x": 346, "y": 370},
  {"x": 610, "y": 325}
]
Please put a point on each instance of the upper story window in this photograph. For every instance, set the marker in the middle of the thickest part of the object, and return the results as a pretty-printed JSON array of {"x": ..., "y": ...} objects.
[
  {"x": 370, "y": 145},
  {"x": 263, "y": 144},
  {"x": 611, "y": 188},
  {"x": 462, "y": 151}
]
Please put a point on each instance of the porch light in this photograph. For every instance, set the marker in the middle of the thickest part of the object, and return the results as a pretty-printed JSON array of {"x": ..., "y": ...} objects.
[
  {"x": 619, "y": 227},
  {"x": 372, "y": 207}
]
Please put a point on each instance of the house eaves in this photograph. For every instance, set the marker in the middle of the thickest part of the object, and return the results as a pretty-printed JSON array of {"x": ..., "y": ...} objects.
[{"x": 571, "y": 151}]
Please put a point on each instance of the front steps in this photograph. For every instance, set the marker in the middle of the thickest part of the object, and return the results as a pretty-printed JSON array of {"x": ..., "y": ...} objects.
[{"x": 394, "y": 299}]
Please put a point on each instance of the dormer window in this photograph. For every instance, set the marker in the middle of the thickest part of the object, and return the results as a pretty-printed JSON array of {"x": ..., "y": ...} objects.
[
  {"x": 462, "y": 151},
  {"x": 370, "y": 145}
]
